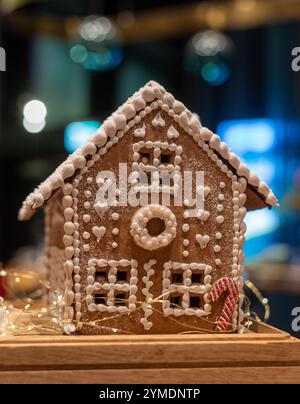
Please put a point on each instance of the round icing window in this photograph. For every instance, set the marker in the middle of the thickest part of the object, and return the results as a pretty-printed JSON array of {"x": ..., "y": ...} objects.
[{"x": 153, "y": 227}]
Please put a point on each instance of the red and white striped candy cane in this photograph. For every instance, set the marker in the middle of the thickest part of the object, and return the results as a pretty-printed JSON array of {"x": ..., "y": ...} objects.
[{"x": 220, "y": 286}]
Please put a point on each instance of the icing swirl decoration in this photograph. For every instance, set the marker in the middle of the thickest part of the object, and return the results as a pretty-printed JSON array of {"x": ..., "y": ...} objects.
[{"x": 140, "y": 227}]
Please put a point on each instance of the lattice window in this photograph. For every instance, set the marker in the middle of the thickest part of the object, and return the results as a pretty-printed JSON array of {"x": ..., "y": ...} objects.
[
  {"x": 161, "y": 158},
  {"x": 186, "y": 288},
  {"x": 112, "y": 285}
]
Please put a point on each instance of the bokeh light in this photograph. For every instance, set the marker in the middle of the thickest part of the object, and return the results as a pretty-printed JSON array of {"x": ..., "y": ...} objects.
[
  {"x": 77, "y": 133},
  {"x": 78, "y": 53},
  {"x": 35, "y": 111},
  {"x": 209, "y": 54},
  {"x": 244, "y": 135},
  {"x": 34, "y": 127},
  {"x": 97, "y": 45}
]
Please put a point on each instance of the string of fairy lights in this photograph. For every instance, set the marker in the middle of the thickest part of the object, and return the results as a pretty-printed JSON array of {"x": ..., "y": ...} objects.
[{"x": 30, "y": 315}]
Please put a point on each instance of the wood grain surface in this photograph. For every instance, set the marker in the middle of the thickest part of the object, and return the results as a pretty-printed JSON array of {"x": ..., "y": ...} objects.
[{"x": 265, "y": 355}]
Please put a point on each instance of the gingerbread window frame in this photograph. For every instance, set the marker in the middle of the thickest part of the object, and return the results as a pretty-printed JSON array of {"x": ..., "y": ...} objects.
[
  {"x": 156, "y": 150},
  {"x": 186, "y": 289},
  {"x": 112, "y": 287}
]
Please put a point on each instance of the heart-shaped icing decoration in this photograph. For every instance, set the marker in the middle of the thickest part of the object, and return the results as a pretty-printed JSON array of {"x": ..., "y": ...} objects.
[
  {"x": 203, "y": 191},
  {"x": 158, "y": 120},
  {"x": 202, "y": 240},
  {"x": 140, "y": 132},
  {"x": 203, "y": 215},
  {"x": 101, "y": 208},
  {"x": 172, "y": 132},
  {"x": 98, "y": 232}
]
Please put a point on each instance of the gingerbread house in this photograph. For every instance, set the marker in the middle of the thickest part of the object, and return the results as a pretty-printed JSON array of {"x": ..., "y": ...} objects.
[{"x": 133, "y": 250}]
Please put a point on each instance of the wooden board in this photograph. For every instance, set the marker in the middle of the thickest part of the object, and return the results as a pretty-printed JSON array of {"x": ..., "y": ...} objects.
[{"x": 266, "y": 355}]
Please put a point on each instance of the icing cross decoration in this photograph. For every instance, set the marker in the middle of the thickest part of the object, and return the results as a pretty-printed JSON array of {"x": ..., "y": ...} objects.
[
  {"x": 202, "y": 240},
  {"x": 158, "y": 120},
  {"x": 219, "y": 287}
]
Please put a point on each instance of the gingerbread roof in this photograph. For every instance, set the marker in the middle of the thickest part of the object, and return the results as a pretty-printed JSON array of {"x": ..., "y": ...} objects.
[{"x": 259, "y": 195}]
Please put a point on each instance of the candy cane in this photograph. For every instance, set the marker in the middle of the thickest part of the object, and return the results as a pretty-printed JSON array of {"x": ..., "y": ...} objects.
[{"x": 220, "y": 286}]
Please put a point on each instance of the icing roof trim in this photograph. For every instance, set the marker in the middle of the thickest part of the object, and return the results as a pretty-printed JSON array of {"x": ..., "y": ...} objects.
[{"x": 152, "y": 91}]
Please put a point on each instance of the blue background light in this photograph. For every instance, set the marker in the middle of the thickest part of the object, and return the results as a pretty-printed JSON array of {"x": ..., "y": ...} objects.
[
  {"x": 257, "y": 141},
  {"x": 215, "y": 73},
  {"x": 244, "y": 135},
  {"x": 77, "y": 133}
]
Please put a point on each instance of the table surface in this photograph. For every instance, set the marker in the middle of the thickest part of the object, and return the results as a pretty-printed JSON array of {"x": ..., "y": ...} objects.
[{"x": 265, "y": 355}]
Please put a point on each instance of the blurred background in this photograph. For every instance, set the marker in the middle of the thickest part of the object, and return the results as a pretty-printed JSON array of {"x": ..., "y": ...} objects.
[{"x": 70, "y": 63}]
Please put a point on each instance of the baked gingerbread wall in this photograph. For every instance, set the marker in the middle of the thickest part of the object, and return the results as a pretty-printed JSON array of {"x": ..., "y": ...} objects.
[
  {"x": 209, "y": 246},
  {"x": 54, "y": 246}
]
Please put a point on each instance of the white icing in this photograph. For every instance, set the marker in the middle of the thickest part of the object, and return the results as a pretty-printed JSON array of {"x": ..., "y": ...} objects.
[
  {"x": 101, "y": 208},
  {"x": 140, "y": 132},
  {"x": 185, "y": 227},
  {"x": 139, "y": 232},
  {"x": 115, "y": 231},
  {"x": 115, "y": 216},
  {"x": 203, "y": 215},
  {"x": 99, "y": 232},
  {"x": 86, "y": 218},
  {"x": 86, "y": 205},
  {"x": 158, "y": 120},
  {"x": 202, "y": 240},
  {"x": 147, "y": 304},
  {"x": 220, "y": 208},
  {"x": 220, "y": 219},
  {"x": 186, "y": 214},
  {"x": 86, "y": 235},
  {"x": 172, "y": 133},
  {"x": 68, "y": 213},
  {"x": 69, "y": 228},
  {"x": 69, "y": 328}
]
